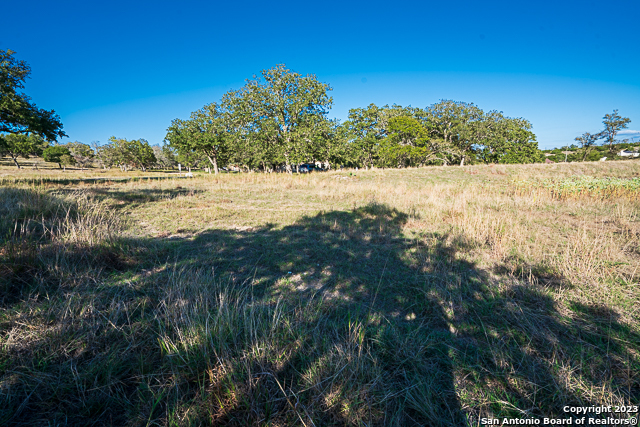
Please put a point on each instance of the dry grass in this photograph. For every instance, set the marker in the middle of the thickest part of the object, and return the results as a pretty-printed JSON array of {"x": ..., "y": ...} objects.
[{"x": 427, "y": 296}]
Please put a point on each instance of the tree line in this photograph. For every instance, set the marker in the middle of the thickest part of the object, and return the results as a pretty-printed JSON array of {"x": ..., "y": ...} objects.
[{"x": 278, "y": 121}]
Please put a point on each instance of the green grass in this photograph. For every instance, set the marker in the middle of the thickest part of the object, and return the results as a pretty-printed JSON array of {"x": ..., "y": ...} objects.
[
  {"x": 427, "y": 296},
  {"x": 583, "y": 186}
]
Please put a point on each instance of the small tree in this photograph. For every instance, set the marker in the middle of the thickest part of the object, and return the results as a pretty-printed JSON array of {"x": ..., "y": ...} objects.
[
  {"x": 205, "y": 133},
  {"x": 122, "y": 152},
  {"x": 58, "y": 154},
  {"x": 613, "y": 123},
  {"x": 587, "y": 141},
  {"x": 16, "y": 145},
  {"x": 141, "y": 154},
  {"x": 83, "y": 154}
]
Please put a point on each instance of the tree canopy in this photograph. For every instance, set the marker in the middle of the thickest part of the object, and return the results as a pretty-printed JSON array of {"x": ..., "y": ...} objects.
[
  {"x": 126, "y": 154},
  {"x": 277, "y": 118},
  {"x": 18, "y": 113},
  {"x": 277, "y": 121},
  {"x": 443, "y": 133},
  {"x": 613, "y": 123},
  {"x": 59, "y": 154},
  {"x": 16, "y": 145},
  {"x": 206, "y": 132}
]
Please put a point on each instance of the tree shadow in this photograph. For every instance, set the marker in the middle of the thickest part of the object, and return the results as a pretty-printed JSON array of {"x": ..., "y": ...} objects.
[
  {"x": 337, "y": 319},
  {"x": 131, "y": 198}
]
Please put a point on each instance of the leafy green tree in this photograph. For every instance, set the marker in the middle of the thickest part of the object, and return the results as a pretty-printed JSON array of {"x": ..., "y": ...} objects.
[
  {"x": 127, "y": 153},
  {"x": 109, "y": 155},
  {"x": 206, "y": 132},
  {"x": 140, "y": 154},
  {"x": 16, "y": 145},
  {"x": 512, "y": 142},
  {"x": 595, "y": 155},
  {"x": 408, "y": 144},
  {"x": 190, "y": 159},
  {"x": 613, "y": 123},
  {"x": 367, "y": 129},
  {"x": 461, "y": 125},
  {"x": 277, "y": 112},
  {"x": 326, "y": 142},
  {"x": 59, "y": 154},
  {"x": 18, "y": 114},
  {"x": 445, "y": 119},
  {"x": 587, "y": 141},
  {"x": 478, "y": 130}
]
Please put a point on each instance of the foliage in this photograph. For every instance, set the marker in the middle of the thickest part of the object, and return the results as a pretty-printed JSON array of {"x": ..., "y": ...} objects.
[
  {"x": 460, "y": 125},
  {"x": 278, "y": 118},
  {"x": 190, "y": 159},
  {"x": 83, "y": 154},
  {"x": 205, "y": 133},
  {"x": 511, "y": 141},
  {"x": 59, "y": 154},
  {"x": 587, "y": 141},
  {"x": 18, "y": 114},
  {"x": 17, "y": 145},
  {"x": 127, "y": 154},
  {"x": 408, "y": 144},
  {"x": 613, "y": 123}
]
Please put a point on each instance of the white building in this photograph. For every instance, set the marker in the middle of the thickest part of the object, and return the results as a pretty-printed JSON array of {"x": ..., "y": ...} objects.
[{"x": 628, "y": 153}]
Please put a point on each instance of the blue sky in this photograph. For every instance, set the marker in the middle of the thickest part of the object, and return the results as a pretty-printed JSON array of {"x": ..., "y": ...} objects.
[{"x": 128, "y": 68}]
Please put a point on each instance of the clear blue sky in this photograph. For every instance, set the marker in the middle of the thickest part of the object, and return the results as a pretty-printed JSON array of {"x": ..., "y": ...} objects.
[{"x": 128, "y": 68}]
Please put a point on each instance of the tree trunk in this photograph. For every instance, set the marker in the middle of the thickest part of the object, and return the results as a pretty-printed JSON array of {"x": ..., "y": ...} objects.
[
  {"x": 288, "y": 165},
  {"x": 15, "y": 161},
  {"x": 462, "y": 161},
  {"x": 214, "y": 162}
]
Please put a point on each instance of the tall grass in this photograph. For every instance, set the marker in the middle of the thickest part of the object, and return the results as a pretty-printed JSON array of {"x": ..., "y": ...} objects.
[
  {"x": 582, "y": 187},
  {"x": 421, "y": 297}
]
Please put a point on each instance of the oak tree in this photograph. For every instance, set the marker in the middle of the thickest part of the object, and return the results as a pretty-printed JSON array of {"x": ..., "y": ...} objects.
[
  {"x": 279, "y": 111},
  {"x": 18, "y": 113}
]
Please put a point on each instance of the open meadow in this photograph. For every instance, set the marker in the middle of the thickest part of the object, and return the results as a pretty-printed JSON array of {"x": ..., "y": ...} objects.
[{"x": 387, "y": 297}]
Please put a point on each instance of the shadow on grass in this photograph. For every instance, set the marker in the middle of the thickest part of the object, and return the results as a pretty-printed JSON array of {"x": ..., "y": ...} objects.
[{"x": 337, "y": 319}]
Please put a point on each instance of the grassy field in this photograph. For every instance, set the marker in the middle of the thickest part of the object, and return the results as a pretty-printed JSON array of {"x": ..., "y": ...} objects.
[{"x": 430, "y": 296}]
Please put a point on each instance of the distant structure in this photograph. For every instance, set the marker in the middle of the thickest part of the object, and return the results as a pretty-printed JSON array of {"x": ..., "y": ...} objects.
[{"x": 628, "y": 153}]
